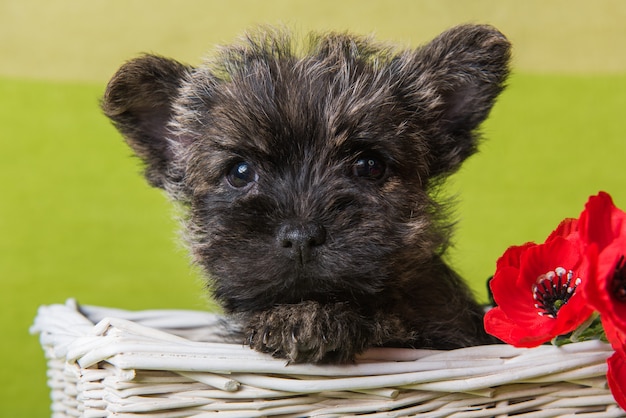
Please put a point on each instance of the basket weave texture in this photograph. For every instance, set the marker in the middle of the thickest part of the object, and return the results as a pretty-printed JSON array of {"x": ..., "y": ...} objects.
[{"x": 106, "y": 362}]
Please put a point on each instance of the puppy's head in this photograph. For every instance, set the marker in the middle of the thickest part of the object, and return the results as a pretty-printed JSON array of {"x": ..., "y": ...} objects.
[{"x": 306, "y": 169}]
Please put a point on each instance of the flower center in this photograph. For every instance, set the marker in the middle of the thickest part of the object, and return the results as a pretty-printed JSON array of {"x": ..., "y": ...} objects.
[
  {"x": 554, "y": 289},
  {"x": 618, "y": 283}
]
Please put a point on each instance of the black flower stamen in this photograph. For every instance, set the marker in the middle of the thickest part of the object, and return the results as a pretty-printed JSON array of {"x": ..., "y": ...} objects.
[
  {"x": 618, "y": 282},
  {"x": 554, "y": 289}
]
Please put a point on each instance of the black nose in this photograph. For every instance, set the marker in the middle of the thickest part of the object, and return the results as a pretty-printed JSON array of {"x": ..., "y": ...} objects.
[{"x": 298, "y": 239}]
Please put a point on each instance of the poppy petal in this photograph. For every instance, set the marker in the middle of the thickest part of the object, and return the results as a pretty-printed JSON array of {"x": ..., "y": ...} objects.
[
  {"x": 567, "y": 228},
  {"x": 498, "y": 324},
  {"x": 512, "y": 255},
  {"x": 616, "y": 377},
  {"x": 601, "y": 222}
]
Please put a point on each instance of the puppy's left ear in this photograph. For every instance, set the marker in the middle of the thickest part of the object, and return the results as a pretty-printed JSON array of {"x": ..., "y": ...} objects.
[{"x": 451, "y": 85}]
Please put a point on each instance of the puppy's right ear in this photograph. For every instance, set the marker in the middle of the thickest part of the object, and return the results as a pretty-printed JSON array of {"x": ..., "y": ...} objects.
[{"x": 138, "y": 100}]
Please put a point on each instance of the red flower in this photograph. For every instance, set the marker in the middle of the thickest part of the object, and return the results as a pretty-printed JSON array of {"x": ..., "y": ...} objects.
[
  {"x": 536, "y": 290},
  {"x": 603, "y": 231},
  {"x": 616, "y": 377}
]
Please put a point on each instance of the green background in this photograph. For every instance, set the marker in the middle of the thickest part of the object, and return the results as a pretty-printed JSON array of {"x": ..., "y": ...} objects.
[{"x": 77, "y": 220}]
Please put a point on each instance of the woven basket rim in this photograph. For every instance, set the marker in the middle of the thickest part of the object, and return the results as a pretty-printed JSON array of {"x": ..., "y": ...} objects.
[{"x": 121, "y": 346}]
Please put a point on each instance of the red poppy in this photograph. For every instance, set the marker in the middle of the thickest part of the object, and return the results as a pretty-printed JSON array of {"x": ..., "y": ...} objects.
[
  {"x": 535, "y": 288},
  {"x": 616, "y": 377},
  {"x": 603, "y": 230}
]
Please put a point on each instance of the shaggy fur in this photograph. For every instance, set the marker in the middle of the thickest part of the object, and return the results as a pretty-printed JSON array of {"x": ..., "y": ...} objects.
[{"x": 308, "y": 174}]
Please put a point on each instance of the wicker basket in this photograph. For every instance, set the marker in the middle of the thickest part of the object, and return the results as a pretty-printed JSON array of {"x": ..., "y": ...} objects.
[{"x": 105, "y": 362}]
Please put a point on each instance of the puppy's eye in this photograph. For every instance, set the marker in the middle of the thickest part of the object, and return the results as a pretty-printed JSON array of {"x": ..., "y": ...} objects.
[
  {"x": 241, "y": 174},
  {"x": 369, "y": 167}
]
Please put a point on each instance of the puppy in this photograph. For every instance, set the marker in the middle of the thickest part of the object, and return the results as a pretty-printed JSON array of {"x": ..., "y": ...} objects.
[{"x": 307, "y": 172}]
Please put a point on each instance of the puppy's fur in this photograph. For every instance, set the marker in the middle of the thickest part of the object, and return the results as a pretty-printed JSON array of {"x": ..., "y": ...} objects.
[{"x": 307, "y": 172}]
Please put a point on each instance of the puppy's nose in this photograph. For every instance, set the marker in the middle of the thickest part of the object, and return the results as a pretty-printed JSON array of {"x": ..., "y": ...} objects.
[{"x": 299, "y": 239}]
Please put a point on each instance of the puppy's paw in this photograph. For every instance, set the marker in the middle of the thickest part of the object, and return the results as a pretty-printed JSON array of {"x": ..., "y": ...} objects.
[{"x": 308, "y": 332}]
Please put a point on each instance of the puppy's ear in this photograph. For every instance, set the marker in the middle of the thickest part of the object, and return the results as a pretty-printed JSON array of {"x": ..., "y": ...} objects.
[
  {"x": 451, "y": 84},
  {"x": 138, "y": 100}
]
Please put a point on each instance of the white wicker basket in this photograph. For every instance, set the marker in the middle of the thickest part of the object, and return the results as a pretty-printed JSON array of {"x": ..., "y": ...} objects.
[{"x": 105, "y": 362}]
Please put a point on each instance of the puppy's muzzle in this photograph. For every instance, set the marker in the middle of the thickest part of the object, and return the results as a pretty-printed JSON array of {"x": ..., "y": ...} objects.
[{"x": 298, "y": 240}]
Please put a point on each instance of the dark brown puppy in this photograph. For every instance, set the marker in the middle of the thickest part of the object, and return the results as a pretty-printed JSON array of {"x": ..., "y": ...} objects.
[{"x": 308, "y": 172}]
